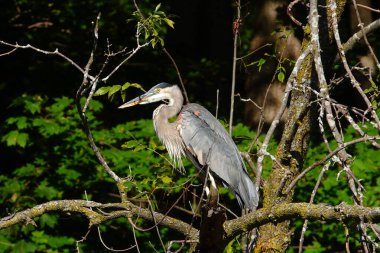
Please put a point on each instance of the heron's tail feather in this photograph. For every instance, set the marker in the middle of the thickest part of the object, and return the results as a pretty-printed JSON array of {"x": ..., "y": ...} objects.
[{"x": 246, "y": 193}]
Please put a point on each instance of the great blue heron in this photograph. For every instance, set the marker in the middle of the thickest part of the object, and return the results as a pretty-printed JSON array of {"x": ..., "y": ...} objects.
[{"x": 197, "y": 134}]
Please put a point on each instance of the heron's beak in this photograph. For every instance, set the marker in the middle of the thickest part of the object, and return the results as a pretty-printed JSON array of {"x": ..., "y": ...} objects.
[
  {"x": 146, "y": 98},
  {"x": 133, "y": 102}
]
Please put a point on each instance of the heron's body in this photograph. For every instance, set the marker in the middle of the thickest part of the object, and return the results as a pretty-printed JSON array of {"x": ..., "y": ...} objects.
[{"x": 197, "y": 134}]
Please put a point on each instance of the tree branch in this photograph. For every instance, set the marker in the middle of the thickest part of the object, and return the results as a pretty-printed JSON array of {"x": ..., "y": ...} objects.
[
  {"x": 87, "y": 209},
  {"x": 278, "y": 213},
  {"x": 282, "y": 212},
  {"x": 351, "y": 42}
]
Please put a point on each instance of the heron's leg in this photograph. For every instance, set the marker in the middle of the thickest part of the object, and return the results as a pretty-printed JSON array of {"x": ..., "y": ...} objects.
[{"x": 212, "y": 192}]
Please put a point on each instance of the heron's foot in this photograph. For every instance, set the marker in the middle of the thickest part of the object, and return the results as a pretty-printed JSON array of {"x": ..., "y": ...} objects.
[{"x": 213, "y": 198}]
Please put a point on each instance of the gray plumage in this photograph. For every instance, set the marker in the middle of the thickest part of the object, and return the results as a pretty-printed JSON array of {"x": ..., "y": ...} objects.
[{"x": 197, "y": 134}]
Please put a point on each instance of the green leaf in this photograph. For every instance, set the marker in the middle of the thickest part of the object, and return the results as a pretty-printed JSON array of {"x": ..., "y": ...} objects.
[
  {"x": 123, "y": 96},
  {"x": 136, "y": 85},
  {"x": 281, "y": 76},
  {"x": 22, "y": 138},
  {"x": 147, "y": 34},
  {"x": 11, "y": 138},
  {"x": 125, "y": 86},
  {"x": 23, "y": 246},
  {"x": 139, "y": 147},
  {"x": 21, "y": 122},
  {"x": 169, "y": 22},
  {"x": 25, "y": 171},
  {"x": 157, "y": 7},
  {"x": 154, "y": 42},
  {"x": 60, "y": 104},
  {"x": 45, "y": 191},
  {"x": 166, "y": 180},
  {"x": 48, "y": 220},
  {"x": 47, "y": 127},
  {"x": 113, "y": 90},
  {"x": 161, "y": 41},
  {"x": 130, "y": 144},
  {"x": 32, "y": 106},
  {"x": 14, "y": 138},
  {"x": 102, "y": 90}
]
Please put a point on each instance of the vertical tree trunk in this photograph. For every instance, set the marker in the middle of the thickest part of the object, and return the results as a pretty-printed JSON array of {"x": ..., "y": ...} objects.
[{"x": 291, "y": 152}]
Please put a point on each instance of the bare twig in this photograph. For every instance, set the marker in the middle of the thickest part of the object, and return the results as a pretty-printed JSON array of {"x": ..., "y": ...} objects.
[
  {"x": 236, "y": 25},
  {"x": 155, "y": 222},
  {"x": 82, "y": 113},
  {"x": 349, "y": 44},
  {"x": 365, "y": 35},
  {"x": 353, "y": 80},
  {"x": 304, "y": 227},
  {"x": 289, "y": 85},
  {"x": 84, "y": 238},
  {"x": 331, "y": 154},
  {"x": 46, "y": 52},
  {"x": 217, "y": 104},
  {"x": 368, "y": 8},
  {"x": 112, "y": 249},
  {"x": 289, "y": 12},
  {"x": 134, "y": 238},
  {"x": 253, "y": 51},
  {"x": 178, "y": 74}
]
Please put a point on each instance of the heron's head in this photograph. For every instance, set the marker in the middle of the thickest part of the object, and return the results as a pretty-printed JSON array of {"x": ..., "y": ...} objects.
[{"x": 161, "y": 91}]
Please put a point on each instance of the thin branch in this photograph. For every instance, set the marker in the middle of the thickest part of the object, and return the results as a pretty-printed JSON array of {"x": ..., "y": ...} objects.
[
  {"x": 84, "y": 238},
  {"x": 134, "y": 238},
  {"x": 289, "y": 12},
  {"x": 9, "y": 52},
  {"x": 368, "y": 8},
  {"x": 155, "y": 222},
  {"x": 234, "y": 60},
  {"x": 46, "y": 52},
  {"x": 178, "y": 74},
  {"x": 343, "y": 155},
  {"x": 322, "y": 161},
  {"x": 314, "y": 192},
  {"x": 112, "y": 249},
  {"x": 82, "y": 112},
  {"x": 254, "y": 51},
  {"x": 351, "y": 42},
  {"x": 353, "y": 80},
  {"x": 289, "y": 85},
  {"x": 131, "y": 54},
  {"x": 365, "y": 35}
]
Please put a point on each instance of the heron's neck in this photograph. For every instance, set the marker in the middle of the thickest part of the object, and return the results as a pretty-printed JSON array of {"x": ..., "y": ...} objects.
[
  {"x": 165, "y": 112},
  {"x": 167, "y": 132}
]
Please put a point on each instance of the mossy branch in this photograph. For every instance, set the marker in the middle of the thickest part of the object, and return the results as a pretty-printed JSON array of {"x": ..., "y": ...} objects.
[
  {"x": 98, "y": 213},
  {"x": 317, "y": 212}
]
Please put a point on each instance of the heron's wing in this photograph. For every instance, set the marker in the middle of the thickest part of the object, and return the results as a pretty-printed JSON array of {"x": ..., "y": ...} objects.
[{"x": 208, "y": 144}]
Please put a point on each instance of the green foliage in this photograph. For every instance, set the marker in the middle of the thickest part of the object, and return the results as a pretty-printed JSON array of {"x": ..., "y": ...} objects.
[
  {"x": 56, "y": 162},
  {"x": 112, "y": 90},
  {"x": 153, "y": 26}
]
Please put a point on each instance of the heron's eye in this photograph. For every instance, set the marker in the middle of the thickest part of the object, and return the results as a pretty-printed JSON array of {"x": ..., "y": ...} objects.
[{"x": 157, "y": 90}]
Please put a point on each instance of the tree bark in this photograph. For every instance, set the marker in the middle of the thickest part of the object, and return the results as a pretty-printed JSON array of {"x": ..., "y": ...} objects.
[{"x": 291, "y": 152}]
